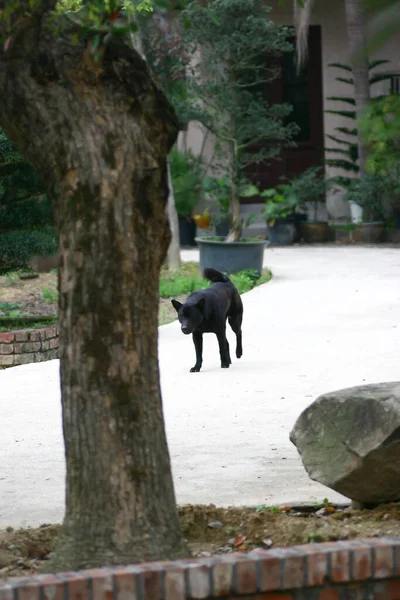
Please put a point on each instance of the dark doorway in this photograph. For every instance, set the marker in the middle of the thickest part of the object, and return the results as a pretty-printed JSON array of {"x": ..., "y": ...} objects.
[{"x": 304, "y": 93}]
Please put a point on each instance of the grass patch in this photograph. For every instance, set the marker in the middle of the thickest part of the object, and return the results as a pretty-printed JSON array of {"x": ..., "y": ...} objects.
[
  {"x": 49, "y": 294},
  {"x": 187, "y": 280},
  {"x": 14, "y": 323}
]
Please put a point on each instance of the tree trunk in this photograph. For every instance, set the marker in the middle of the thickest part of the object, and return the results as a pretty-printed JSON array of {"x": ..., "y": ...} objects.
[
  {"x": 359, "y": 61},
  {"x": 174, "y": 254},
  {"x": 97, "y": 133}
]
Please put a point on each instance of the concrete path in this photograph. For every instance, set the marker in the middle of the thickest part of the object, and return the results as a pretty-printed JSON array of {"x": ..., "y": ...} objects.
[{"x": 329, "y": 319}]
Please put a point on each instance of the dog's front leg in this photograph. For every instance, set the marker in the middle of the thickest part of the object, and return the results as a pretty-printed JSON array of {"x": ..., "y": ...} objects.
[
  {"x": 198, "y": 344},
  {"x": 223, "y": 349}
]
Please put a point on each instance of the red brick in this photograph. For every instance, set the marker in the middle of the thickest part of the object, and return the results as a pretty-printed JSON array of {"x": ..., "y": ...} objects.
[
  {"x": 53, "y": 588},
  {"x": 6, "y": 338},
  {"x": 21, "y": 336},
  {"x": 50, "y": 332},
  {"x": 271, "y": 570},
  {"x": 77, "y": 585},
  {"x": 199, "y": 581},
  {"x": 175, "y": 584},
  {"x": 6, "y": 361},
  {"x": 151, "y": 582},
  {"x": 246, "y": 576},
  {"x": 362, "y": 563},
  {"x": 102, "y": 583},
  {"x": 125, "y": 585},
  {"x": 24, "y": 359},
  {"x": 293, "y": 574},
  {"x": 45, "y": 345},
  {"x": 393, "y": 590},
  {"x": 381, "y": 591},
  {"x": 6, "y": 348},
  {"x": 28, "y": 589},
  {"x": 317, "y": 569},
  {"x": 329, "y": 594},
  {"x": 340, "y": 566},
  {"x": 384, "y": 567},
  {"x": 34, "y": 336},
  {"x": 222, "y": 578},
  {"x": 53, "y": 343},
  {"x": 6, "y": 592}
]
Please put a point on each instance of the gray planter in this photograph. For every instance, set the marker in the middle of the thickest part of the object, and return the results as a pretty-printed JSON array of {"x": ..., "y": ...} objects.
[{"x": 231, "y": 257}]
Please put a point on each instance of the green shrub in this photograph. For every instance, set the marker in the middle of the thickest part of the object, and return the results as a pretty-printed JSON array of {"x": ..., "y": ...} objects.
[
  {"x": 32, "y": 213},
  {"x": 50, "y": 294},
  {"x": 18, "y": 247}
]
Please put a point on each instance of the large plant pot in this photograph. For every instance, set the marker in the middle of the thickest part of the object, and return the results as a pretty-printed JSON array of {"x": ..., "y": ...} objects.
[
  {"x": 396, "y": 216},
  {"x": 356, "y": 212},
  {"x": 372, "y": 233},
  {"x": 282, "y": 233},
  {"x": 315, "y": 233},
  {"x": 187, "y": 232},
  {"x": 231, "y": 257}
]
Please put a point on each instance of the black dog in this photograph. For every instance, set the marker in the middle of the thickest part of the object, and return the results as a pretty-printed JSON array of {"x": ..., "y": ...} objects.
[{"x": 206, "y": 311}]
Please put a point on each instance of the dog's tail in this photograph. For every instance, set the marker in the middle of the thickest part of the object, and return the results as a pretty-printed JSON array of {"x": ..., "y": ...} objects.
[{"x": 214, "y": 275}]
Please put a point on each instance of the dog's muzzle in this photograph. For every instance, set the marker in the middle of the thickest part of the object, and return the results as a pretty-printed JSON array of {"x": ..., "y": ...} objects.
[{"x": 185, "y": 329}]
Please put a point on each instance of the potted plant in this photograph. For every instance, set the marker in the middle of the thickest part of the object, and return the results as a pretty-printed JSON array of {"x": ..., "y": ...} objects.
[
  {"x": 186, "y": 183},
  {"x": 368, "y": 191},
  {"x": 310, "y": 188},
  {"x": 279, "y": 212},
  {"x": 227, "y": 78}
]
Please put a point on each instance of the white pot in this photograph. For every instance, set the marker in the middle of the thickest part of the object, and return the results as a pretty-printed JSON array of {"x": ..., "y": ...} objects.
[{"x": 356, "y": 212}]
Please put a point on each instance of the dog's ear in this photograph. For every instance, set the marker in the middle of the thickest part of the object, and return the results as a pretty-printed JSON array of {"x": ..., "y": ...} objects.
[
  {"x": 176, "y": 304},
  {"x": 201, "y": 304}
]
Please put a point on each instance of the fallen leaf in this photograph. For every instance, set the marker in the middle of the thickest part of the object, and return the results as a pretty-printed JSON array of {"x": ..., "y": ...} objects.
[{"x": 239, "y": 539}]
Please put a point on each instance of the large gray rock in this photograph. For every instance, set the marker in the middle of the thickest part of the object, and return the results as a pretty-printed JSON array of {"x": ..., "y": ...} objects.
[{"x": 349, "y": 440}]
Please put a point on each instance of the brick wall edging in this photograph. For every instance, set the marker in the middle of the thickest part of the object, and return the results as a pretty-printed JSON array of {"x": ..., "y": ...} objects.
[
  {"x": 370, "y": 567},
  {"x": 28, "y": 346}
]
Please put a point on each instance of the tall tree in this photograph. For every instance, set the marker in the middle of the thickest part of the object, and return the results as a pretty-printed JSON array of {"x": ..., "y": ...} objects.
[{"x": 81, "y": 107}]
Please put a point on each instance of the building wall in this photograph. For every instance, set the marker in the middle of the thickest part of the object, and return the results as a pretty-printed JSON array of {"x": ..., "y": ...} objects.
[{"x": 331, "y": 17}]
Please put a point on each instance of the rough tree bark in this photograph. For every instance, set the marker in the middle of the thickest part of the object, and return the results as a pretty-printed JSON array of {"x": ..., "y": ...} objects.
[
  {"x": 356, "y": 33},
  {"x": 97, "y": 134}
]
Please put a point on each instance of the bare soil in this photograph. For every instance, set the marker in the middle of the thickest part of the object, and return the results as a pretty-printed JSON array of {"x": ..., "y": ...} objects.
[{"x": 210, "y": 530}]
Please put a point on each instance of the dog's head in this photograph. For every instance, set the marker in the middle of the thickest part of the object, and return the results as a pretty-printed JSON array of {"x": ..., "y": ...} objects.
[{"x": 190, "y": 315}]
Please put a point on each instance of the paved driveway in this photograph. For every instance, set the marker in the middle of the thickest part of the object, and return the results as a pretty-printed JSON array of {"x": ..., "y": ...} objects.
[{"x": 330, "y": 318}]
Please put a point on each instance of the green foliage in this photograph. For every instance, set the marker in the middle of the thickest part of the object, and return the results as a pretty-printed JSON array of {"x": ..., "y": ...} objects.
[
  {"x": 186, "y": 181},
  {"x": 279, "y": 204},
  {"x": 380, "y": 127},
  {"x": 310, "y": 186},
  {"x": 229, "y": 41},
  {"x": 348, "y": 145},
  {"x": 50, "y": 295},
  {"x": 10, "y": 309},
  {"x": 18, "y": 247},
  {"x": 186, "y": 282},
  {"x": 177, "y": 284},
  {"x": 368, "y": 191}
]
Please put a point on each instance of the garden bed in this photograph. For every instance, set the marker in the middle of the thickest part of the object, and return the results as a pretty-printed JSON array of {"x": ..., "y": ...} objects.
[
  {"x": 214, "y": 531},
  {"x": 21, "y": 298}
]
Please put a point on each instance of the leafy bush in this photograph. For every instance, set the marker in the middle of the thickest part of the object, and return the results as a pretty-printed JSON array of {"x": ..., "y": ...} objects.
[
  {"x": 368, "y": 192},
  {"x": 18, "y": 247},
  {"x": 32, "y": 213},
  {"x": 178, "y": 284}
]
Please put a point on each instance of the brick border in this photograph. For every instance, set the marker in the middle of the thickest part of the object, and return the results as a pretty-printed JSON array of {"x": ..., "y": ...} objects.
[
  {"x": 28, "y": 346},
  {"x": 360, "y": 569}
]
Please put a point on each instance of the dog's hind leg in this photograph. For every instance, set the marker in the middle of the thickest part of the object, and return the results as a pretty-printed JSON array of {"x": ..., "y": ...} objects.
[
  {"x": 236, "y": 325},
  {"x": 223, "y": 348},
  {"x": 227, "y": 347},
  {"x": 198, "y": 344}
]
